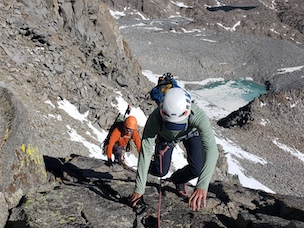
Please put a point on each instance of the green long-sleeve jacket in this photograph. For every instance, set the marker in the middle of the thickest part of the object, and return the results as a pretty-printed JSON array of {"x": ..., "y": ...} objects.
[{"x": 154, "y": 126}]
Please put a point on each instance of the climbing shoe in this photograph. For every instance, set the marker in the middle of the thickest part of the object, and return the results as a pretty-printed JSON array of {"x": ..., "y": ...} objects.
[
  {"x": 118, "y": 160},
  {"x": 181, "y": 190},
  {"x": 140, "y": 206}
]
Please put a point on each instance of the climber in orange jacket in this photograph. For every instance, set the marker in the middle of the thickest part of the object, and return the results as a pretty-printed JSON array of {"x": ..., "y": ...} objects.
[{"x": 120, "y": 138}]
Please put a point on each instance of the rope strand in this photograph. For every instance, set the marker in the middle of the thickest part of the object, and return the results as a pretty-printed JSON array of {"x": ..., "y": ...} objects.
[
  {"x": 161, "y": 154},
  {"x": 160, "y": 191}
]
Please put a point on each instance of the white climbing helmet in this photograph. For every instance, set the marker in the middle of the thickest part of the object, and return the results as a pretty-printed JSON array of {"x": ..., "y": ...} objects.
[{"x": 175, "y": 106}]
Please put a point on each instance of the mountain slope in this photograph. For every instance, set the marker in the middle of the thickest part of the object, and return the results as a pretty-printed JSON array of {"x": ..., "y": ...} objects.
[
  {"x": 57, "y": 51},
  {"x": 189, "y": 41}
]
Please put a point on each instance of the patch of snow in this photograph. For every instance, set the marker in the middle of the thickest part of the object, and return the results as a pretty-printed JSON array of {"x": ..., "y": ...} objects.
[
  {"x": 289, "y": 69},
  {"x": 292, "y": 151}
]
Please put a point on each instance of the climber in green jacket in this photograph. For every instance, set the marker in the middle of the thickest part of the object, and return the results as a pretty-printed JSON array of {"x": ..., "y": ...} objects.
[{"x": 177, "y": 119}]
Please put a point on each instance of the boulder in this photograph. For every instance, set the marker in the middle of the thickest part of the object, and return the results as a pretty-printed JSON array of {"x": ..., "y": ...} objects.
[{"x": 22, "y": 164}]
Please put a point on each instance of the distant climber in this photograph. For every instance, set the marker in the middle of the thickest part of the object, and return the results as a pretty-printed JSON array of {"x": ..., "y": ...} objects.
[
  {"x": 177, "y": 119},
  {"x": 120, "y": 138}
]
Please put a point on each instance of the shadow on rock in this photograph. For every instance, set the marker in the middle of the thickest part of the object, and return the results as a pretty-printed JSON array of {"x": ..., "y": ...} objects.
[
  {"x": 70, "y": 174},
  {"x": 229, "y": 8}
]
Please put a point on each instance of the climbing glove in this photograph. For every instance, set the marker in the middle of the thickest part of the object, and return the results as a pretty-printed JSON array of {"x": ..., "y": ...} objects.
[{"x": 109, "y": 162}]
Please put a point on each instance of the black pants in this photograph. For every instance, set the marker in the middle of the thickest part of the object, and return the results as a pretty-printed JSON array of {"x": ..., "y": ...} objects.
[
  {"x": 117, "y": 151},
  {"x": 195, "y": 160}
]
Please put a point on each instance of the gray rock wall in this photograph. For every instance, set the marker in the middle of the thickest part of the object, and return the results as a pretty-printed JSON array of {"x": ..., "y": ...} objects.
[
  {"x": 73, "y": 50},
  {"x": 53, "y": 51},
  {"x": 22, "y": 165},
  {"x": 68, "y": 51}
]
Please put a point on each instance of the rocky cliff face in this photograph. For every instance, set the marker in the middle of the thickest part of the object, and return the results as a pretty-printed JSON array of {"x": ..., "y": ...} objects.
[{"x": 53, "y": 51}]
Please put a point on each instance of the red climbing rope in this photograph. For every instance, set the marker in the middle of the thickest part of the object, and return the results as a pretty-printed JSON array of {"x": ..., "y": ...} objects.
[
  {"x": 160, "y": 192},
  {"x": 161, "y": 154}
]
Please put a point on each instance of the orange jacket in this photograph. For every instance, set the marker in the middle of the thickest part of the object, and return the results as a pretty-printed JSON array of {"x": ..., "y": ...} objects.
[{"x": 119, "y": 136}]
